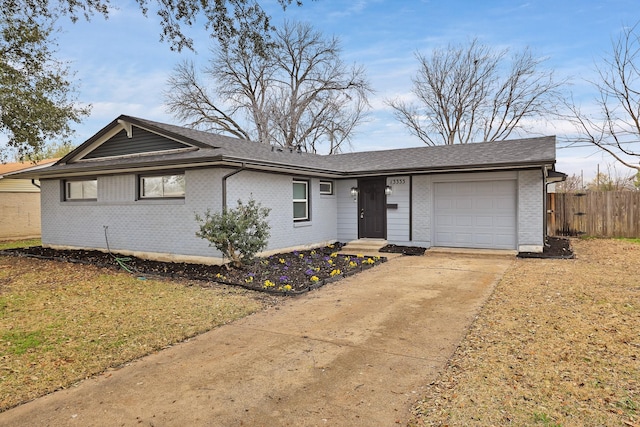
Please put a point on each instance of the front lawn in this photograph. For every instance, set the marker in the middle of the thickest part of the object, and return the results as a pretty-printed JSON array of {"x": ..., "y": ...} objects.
[
  {"x": 63, "y": 322},
  {"x": 557, "y": 344}
]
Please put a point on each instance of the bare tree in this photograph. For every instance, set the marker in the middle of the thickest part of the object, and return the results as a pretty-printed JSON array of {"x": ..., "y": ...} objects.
[
  {"x": 615, "y": 127},
  {"x": 468, "y": 93},
  {"x": 299, "y": 94},
  {"x": 573, "y": 184}
]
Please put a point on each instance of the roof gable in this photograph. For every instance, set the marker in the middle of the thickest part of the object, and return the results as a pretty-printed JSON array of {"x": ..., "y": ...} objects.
[
  {"x": 126, "y": 137},
  {"x": 138, "y": 141}
]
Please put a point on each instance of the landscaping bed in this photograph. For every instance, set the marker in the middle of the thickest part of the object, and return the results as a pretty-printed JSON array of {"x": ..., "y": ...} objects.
[
  {"x": 554, "y": 248},
  {"x": 289, "y": 273}
]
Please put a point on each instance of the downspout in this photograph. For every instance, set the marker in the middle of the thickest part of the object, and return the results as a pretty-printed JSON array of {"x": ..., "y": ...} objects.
[
  {"x": 224, "y": 185},
  {"x": 544, "y": 205},
  {"x": 33, "y": 181}
]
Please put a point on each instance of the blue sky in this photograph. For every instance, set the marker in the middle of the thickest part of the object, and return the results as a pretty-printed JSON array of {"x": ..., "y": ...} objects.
[{"x": 122, "y": 68}]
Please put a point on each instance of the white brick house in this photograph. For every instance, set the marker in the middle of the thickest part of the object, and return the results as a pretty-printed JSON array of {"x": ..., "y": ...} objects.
[{"x": 140, "y": 183}]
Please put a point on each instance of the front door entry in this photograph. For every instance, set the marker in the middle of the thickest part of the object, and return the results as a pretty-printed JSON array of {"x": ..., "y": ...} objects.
[{"x": 372, "y": 212}]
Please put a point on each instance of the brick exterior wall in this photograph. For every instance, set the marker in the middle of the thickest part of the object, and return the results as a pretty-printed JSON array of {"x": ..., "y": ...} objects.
[
  {"x": 530, "y": 210},
  {"x": 19, "y": 215},
  {"x": 165, "y": 229},
  {"x": 422, "y": 201}
]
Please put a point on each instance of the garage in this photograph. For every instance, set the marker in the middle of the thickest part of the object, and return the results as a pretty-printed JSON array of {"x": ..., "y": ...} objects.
[{"x": 479, "y": 214}]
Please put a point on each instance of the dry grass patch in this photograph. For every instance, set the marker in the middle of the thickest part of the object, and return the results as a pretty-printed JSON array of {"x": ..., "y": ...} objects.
[
  {"x": 556, "y": 345},
  {"x": 61, "y": 323}
]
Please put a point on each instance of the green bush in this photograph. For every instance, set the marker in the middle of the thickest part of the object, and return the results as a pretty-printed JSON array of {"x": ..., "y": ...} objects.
[{"x": 238, "y": 233}]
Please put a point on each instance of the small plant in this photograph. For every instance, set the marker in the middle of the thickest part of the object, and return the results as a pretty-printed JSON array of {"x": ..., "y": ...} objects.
[
  {"x": 268, "y": 284},
  {"x": 238, "y": 233}
]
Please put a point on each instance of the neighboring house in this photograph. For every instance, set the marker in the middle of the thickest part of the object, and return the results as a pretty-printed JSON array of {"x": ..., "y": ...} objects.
[
  {"x": 140, "y": 183},
  {"x": 20, "y": 201}
]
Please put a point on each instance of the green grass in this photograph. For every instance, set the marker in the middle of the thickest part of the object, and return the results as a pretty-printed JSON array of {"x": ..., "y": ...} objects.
[
  {"x": 11, "y": 244},
  {"x": 630, "y": 240},
  {"x": 20, "y": 342}
]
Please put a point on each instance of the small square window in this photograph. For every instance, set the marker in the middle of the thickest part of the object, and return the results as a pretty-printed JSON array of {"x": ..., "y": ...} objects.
[
  {"x": 81, "y": 189},
  {"x": 326, "y": 187},
  {"x": 162, "y": 186},
  {"x": 300, "y": 200}
]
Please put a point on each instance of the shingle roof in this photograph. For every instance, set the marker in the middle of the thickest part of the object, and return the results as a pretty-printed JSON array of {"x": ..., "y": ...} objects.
[
  {"x": 213, "y": 148},
  {"x": 15, "y": 167}
]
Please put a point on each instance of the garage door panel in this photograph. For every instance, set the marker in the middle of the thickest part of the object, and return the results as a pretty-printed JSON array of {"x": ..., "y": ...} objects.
[
  {"x": 475, "y": 214},
  {"x": 463, "y": 221},
  {"x": 464, "y": 238},
  {"x": 465, "y": 203},
  {"x": 484, "y": 221}
]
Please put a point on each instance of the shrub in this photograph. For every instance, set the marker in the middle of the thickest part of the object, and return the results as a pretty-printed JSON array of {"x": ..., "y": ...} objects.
[{"x": 238, "y": 233}]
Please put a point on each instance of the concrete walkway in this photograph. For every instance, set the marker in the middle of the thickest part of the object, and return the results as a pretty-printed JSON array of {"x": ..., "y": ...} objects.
[{"x": 353, "y": 353}]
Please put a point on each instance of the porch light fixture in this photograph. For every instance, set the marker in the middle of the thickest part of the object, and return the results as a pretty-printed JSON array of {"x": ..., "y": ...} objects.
[
  {"x": 388, "y": 190},
  {"x": 354, "y": 193}
]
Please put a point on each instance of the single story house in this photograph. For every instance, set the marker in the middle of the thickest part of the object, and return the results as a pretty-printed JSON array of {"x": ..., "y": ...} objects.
[
  {"x": 139, "y": 184},
  {"x": 20, "y": 201}
]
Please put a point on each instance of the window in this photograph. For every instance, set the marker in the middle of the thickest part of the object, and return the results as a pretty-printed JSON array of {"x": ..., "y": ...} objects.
[
  {"x": 300, "y": 200},
  {"x": 162, "y": 186},
  {"x": 81, "y": 190},
  {"x": 326, "y": 187}
]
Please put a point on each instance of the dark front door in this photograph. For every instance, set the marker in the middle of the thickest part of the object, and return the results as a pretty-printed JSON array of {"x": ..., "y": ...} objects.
[{"x": 372, "y": 222}]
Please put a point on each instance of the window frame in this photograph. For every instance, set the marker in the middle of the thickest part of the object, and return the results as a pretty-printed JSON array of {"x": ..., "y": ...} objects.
[
  {"x": 306, "y": 201},
  {"x": 325, "y": 193},
  {"x": 66, "y": 187},
  {"x": 163, "y": 175}
]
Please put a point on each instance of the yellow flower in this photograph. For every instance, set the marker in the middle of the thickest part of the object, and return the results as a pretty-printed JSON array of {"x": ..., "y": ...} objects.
[
  {"x": 330, "y": 262},
  {"x": 353, "y": 264},
  {"x": 359, "y": 256},
  {"x": 334, "y": 254},
  {"x": 335, "y": 272},
  {"x": 301, "y": 256},
  {"x": 249, "y": 279},
  {"x": 282, "y": 261},
  {"x": 315, "y": 279},
  {"x": 370, "y": 261},
  {"x": 286, "y": 288},
  {"x": 268, "y": 284}
]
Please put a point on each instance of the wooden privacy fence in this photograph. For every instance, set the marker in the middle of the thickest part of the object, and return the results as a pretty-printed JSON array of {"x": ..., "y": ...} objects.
[{"x": 601, "y": 214}]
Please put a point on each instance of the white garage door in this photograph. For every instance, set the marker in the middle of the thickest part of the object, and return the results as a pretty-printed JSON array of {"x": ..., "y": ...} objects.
[{"x": 475, "y": 214}]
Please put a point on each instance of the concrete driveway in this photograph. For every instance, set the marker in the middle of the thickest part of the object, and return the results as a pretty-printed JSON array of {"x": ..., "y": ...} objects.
[{"x": 356, "y": 352}]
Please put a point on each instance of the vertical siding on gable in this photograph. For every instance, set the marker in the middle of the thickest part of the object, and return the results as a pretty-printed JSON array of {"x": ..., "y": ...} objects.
[
  {"x": 398, "y": 219},
  {"x": 347, "y": 210},
  {"x": 530, "y": 208},
  {"x": 421, "y": 215},
  {"x": 142, "y": 141}
]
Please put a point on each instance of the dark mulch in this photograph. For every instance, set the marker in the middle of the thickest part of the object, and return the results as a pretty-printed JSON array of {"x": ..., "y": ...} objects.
[
  {"x": 405, "y": 250},
  {"x": 554, "y": 248},
  {"x": 288, "y": 273}
]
